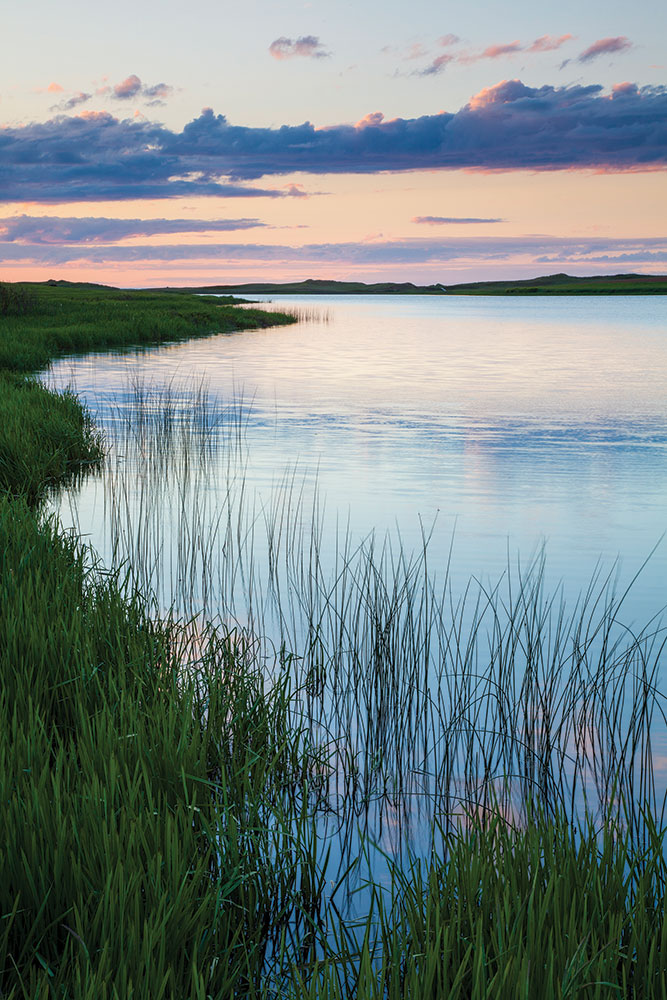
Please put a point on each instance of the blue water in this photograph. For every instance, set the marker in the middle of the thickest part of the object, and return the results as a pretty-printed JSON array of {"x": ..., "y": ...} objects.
[
  {"x": 508, "y": 423},
  {"x": 499, "y": 428}
]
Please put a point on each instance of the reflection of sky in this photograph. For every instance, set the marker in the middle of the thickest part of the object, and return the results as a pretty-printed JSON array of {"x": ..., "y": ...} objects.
[
  {"x": 503, "y": 424},
  {"x": 516, "y": 421}
]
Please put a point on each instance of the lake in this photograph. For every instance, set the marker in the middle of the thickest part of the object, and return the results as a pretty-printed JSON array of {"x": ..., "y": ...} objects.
[
  {"x": 507, "y": 422},
  {"x": 402, "y": 447}
]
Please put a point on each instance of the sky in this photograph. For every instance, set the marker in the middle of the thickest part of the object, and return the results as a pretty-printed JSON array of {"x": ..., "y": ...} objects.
[{"x": 146, "y": 143}]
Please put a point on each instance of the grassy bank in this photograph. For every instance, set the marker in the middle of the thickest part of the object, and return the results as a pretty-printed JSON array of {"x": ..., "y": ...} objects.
[
  {"x": 44, "y": 437},
  {"x": 158, "y": 830}
]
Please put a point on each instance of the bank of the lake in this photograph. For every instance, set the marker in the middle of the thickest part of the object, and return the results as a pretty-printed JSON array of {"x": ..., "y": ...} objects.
[
  {"x": 549, "y": 284},
  {"x": 157, "y": 832}
]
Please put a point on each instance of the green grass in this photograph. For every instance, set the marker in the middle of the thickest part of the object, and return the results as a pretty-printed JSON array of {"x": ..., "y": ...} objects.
[
  {"x": 145, "y": 804},
  {"x": 159, "y": 801},
  {"x": 505, "y": 913},
  {"x": 44, "y": 437},
  {"x": 69, "y": 320}
]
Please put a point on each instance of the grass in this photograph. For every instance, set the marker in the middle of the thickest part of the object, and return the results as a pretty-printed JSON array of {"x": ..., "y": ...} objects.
[
  {"x": 511, "y": 913},
  {"x": 146, "y": 801},
  {"x": 44, "y": 437},
  {"x": 173, "y": 793}
]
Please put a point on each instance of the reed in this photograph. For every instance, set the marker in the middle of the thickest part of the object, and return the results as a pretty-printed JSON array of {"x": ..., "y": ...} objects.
[{"x": 237, "y": 762}]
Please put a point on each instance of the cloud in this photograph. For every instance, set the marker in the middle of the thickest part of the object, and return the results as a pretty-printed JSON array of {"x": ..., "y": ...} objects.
[
  {"x": 307, "y": 45},
  {"x": 548, "y": 43},
  {"x": 96, "y": 156},
  {"x": 54, "y": 230},
  {"x": 54, "y": 88},
  {"x": 493, "y": 52},
  {"x": 559, "y": 251},
  {"x": 72, "y": 102},
  {"x": 437, "y": 66},
  {"x": 129, "y": 89},
  {"x": 605, "y": 47},
  {"x": 442, "y": 220},
  {"x": 132, "y": 88}
]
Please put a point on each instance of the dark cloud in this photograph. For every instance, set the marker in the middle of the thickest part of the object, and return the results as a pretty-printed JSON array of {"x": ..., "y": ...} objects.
[
  {"x": 308, "y": 46},
  {"x": 443, "y": 220},
  {"x": 539, "y": 249},
  {"x": 605, "y": 47},
  {"x": 52, "y": 230},
  {"x": 95, "y": 156}
]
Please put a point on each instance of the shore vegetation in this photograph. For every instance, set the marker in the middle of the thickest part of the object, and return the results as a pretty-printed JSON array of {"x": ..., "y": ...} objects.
[{"x": 164, "y": 786}]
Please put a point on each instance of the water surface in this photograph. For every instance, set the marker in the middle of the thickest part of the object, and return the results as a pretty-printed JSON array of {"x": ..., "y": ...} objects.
[
  {"x": 508, "y": 422},
  {"x": 492, "y": 429}
]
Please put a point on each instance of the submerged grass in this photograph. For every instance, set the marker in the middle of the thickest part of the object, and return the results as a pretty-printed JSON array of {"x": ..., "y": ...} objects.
[{"x": 164, "y": 802}]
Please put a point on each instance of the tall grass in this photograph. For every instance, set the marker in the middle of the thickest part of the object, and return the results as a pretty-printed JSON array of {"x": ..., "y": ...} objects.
[
  {"x": 541, "y": 912},
  {"x": 148, "y": 800},
  {"x": 430, "y": 702},
  {"x": 356, "y": 782},
  {"x": 482, "y": 811}
]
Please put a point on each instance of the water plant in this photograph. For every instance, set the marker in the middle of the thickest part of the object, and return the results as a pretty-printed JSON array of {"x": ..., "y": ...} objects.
[{"x": 236, "y": 762}]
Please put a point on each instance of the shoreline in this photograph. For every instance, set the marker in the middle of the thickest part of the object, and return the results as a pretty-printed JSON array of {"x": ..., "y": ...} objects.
[{"x": 158, "y": 825}]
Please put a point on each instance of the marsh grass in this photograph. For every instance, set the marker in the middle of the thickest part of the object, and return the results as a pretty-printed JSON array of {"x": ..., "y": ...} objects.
[
  {"x": 301, "y": 313},
  {"x": 355, "y": 782},
  {"x": 429, "y": 702},
  {"x": 481, "y": 809},
  {"x": 46, "y": 437},
  {"x": 148, "y": 802}
]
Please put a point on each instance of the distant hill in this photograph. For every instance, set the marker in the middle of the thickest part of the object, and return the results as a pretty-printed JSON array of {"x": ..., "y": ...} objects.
[
  {"x": 566, "y": 284},
  {"x": 315, "y": 286},
  {"x": 550, "y": 284}
]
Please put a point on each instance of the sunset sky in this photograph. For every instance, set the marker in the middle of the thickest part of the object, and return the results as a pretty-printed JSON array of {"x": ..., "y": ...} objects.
[{"x": 148, "y": 143}]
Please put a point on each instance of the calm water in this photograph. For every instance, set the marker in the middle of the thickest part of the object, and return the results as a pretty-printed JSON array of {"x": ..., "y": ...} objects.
[
  {"x": 508, "y": 423},
  {"x": 497, "y": 427}
]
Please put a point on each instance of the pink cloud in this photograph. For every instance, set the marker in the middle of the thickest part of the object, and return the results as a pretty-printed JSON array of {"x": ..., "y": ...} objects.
[
  {"x": 308, "y": 46},
  {"x": 548, "y": 43},
  {"x": 493, "y": 52},
  {"x": 504, "y": 92},
  {"x": 604, "y": 47},
  {"x": 96, "y": 116},
  {"x": 54, "y": 88},
  {"x": 133, "y": 87},
  {"x": 373, "y": 118},
  {"x": 129, "y": 87},
  {"x": 446, "y": 40},
  {"x": 624, "y": 89}
]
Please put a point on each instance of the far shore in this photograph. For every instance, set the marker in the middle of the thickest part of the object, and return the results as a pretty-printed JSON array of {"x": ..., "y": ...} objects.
[{"x": 552, "y": 284}]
